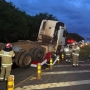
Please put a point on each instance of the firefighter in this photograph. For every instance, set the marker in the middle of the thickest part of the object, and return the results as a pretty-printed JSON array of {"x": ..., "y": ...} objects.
[
  {"x": 75, "y": 53},
  {"x": 67, "y": 51},
  {"x": 6, "y": 55}
]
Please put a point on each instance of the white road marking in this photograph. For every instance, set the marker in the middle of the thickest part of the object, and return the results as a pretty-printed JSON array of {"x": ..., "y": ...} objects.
[
  {"x": 81, "y": 61},
  {"x": 78, "y": 61},
  {"x": 66, "y": 72},
  {"x": 59, "y": 84},
  {"x": 70, "y": 65},
  {"x": 54, "y": 85}
]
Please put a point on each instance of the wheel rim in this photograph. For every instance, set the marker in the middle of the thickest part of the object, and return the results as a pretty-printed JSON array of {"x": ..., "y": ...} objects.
[
  {"x": 28, "y": 60},
  {"x": 39, "y": 55}
]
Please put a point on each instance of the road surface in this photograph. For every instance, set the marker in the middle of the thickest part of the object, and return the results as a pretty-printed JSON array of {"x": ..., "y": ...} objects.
[{"x": 62, "y": 77}]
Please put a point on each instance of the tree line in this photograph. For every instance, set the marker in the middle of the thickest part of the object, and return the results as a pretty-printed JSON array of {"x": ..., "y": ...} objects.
[
  {"x": 75, "y": 37},
  {"x": 18, "y": 25}
]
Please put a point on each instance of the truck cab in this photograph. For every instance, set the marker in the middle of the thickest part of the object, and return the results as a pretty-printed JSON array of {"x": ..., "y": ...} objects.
[{"x": 52, "y": 32}]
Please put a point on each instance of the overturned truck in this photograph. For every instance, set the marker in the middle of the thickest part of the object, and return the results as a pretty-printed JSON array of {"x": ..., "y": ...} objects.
[{"x": 51, "y": 37}]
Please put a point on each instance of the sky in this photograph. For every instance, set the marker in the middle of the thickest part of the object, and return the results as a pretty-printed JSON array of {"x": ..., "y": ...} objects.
[{"x": 74, "y": 13}]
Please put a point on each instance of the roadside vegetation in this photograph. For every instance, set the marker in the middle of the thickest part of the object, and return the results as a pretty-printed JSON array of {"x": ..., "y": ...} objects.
[
  {"x": 18, "y": 25},
  {"x": 85, "y": 51}
]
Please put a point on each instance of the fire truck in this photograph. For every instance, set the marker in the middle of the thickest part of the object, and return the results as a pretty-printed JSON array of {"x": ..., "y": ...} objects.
[{"x": 51, "y": 37}]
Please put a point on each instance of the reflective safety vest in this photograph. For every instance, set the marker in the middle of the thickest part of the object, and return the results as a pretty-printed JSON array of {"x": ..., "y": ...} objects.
[
  {"x": 76, "y": 50},
  {"x": 6, "y": 58},
  {"x": 67, "y": 51}
]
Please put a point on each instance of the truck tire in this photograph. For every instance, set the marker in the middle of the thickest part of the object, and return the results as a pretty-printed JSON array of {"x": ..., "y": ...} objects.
[
  {"x": 25, "y": 60},
  {"x": 38, "y": 54},
  {"x": 17, "y": 57},
  {"x": 32, "y": 52},
  {"x": 53, "y": 59}
]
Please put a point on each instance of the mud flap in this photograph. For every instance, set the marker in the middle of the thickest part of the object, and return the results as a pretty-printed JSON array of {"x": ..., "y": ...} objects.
[{"x": 34, "y": 64}]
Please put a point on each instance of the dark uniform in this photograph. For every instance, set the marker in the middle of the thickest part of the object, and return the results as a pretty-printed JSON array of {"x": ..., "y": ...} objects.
[
  {"x": 6, "y": 61},
  {"x": 67, "y": 51},
  {"x": 89, "y": 58},
  {"x": 62, "y": 53},
  {"x": 75, "y": 54}
]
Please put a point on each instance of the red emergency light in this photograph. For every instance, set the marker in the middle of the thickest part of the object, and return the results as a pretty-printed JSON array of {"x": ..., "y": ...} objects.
[{"x": 70, "y": 40}]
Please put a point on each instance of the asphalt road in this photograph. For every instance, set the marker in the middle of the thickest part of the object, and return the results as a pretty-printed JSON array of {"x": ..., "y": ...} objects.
[{"x": 62, "y": 77}]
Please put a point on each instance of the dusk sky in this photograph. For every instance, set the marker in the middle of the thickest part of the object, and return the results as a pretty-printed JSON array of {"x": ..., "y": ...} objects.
[{"x": 74, "y": 13}]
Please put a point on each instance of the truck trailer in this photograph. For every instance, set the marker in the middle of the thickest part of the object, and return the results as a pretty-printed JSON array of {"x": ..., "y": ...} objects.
[{"x": 51, "y": 37}]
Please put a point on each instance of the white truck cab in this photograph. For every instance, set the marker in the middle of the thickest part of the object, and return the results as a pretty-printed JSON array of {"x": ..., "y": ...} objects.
[{"x": 52, "y": 32}]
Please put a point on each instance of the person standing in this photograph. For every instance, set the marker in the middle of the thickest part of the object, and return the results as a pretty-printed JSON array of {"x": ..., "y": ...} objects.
[
  {"x": 6, "y": 61},
  {"x": 67, "y": 51},
  {"x": 75, "y": 53}
]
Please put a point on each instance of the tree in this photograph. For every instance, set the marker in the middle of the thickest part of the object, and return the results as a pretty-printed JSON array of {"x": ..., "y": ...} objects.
[
  {"x": 75, "y": 36},
  {"x": 13, "y": 22},
  {"x": 16, "y": 24}
]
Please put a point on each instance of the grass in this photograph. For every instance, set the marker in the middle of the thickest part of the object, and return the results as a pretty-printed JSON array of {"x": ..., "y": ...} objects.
[{"x": 85, "y": 51}]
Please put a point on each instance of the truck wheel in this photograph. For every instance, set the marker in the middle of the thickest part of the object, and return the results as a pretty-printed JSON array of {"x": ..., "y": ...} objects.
[
  {"x": 38, "y": 54},
  {"x": 53, "y": 59},
  {"x": 33, "y": 51},
  {"x": 17, "y": 57},
  {"x": 25, "y": 60}
]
